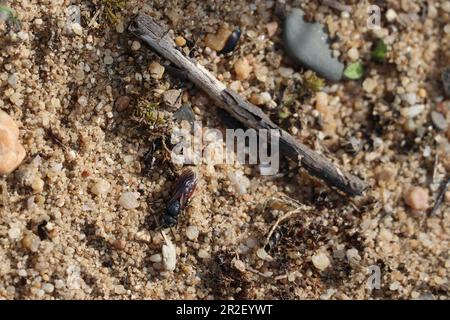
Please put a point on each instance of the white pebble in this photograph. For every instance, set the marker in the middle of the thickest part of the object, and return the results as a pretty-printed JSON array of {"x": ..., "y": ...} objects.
[
  {"x": 156, "y": 257},
  {"x": 320, "y": 261},
  {"x": 353, "y": 54},
  {"x": 239, "y": 181},
  {"x": 265, "y": 97},
  {"x": 413, "y": 111},
  {"x": 12, "y": 80},
  {"x": 129, "y": 200},
  {"x": 14, "y": 233},
  {"x": 82, "y": 101},
  {"x": 77, "y": 29},
  {"x": 192, "y": 232},
  {"x": 369, "y": 85},
  {"x": 202, "y": 253},
  {"x": 391, "y": 15},
  {"x": 48, "y": 287},
  {"x": 101, "y": 187},
  {"x": 353, "y": 255},
  {"x": 410, "y": 98},
  {"x": 169, "y": 256}
]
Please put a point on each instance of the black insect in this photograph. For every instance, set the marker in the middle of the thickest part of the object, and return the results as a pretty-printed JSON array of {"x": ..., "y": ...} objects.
[
  {"x": 184, "y": 188},
  {"x": 275, "y": 238},
  {"x": 232, "y": 42}
]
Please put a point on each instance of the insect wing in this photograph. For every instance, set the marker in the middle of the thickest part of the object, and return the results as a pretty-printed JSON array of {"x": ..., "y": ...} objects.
[{"x": 184, "y": 187}]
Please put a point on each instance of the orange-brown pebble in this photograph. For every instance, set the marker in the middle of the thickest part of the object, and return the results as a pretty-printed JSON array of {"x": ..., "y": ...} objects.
[
  {"x": 12, "y": 152},
  {"x": 271, "y": 28},
  {"x": 217, "y": 41},
  {"x": 417, "y": 198},
  {"x": 180, "y": 41},
  {"x": 122, "y": 103},
  {"x": 242, "y": 69}
]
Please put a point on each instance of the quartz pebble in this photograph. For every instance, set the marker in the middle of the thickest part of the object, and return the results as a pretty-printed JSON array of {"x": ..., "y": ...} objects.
[
  {"x": 417, "y": 198},
  {"x": 242, "y": 69},
  {"x": 77, "y": 29},
  {"x": 439, "y": 120},
  {"x": 217, "y": 41},
  {"x": 169, "y": 256},
  {"x": 192, "y": 232},
  {"x": 101, "y": 187},
  {"x": 320, "y": 260},
  {"x": 156, "y": 258},
  {"x": 12, "y": 152},
  {"x": 129, "y": 200},
  {"x": 156, "y": 70},
  {"x": 353, "y": 255}
]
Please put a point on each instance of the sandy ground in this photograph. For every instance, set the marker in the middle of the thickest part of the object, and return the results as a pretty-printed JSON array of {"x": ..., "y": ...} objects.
[{"x": 62, "y": 238}]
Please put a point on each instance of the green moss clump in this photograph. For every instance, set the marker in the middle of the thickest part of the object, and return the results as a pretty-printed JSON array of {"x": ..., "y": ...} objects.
[{"x": 312, "y": 82}]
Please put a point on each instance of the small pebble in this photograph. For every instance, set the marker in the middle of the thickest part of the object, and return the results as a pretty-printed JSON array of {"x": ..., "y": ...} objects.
[
  {"x": 410, "y": 98},
  {"x": 108, "y": 60},
  {"x": 169, "y": 256},
  {"x": 156, "y": 70},
  {"x": 135, "y": 46},
  {"x": 353, "y": 255},
  {"x": 77, "y": 29},
  {"x": 31, "y": 242},
  {"x": 172, "y": 98},
  {"x": 129, "y": 200},
  {"x": 321, "y": 100},
  {"x": 353, "y": 54},
  {"x": 101, "y": 187},
  {"x": 192, "y": 232},
  {"x": 12, "y": 152},
  {"x": 37, "y": 185},
  {"x": 14, "y": 233},
  {"x": 82, "y": 101},
  {"x": 120, "y": 28},
  {"x": 242, "y": 69},
  {"x": 417, "y": 198},
  {"x": 271, "y": 28},
  {"x": 439, "y": 120},
  {"x": 391, "y": 15},
  {"x": 369, "y": 85},
  {"x": 180, "y": 41},
  {"x": 156, "y": 258},
  {"x": 217, "y": 41},
  {"x": 122, "y": 103},
  {"x": 320, "y": 261}
]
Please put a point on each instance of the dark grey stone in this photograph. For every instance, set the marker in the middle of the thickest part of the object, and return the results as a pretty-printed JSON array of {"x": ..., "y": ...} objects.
[{"x": 308, "y": 44}]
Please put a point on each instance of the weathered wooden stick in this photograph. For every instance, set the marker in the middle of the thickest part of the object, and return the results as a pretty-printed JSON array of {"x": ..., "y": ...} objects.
[{"x": 152, "y": 33}]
